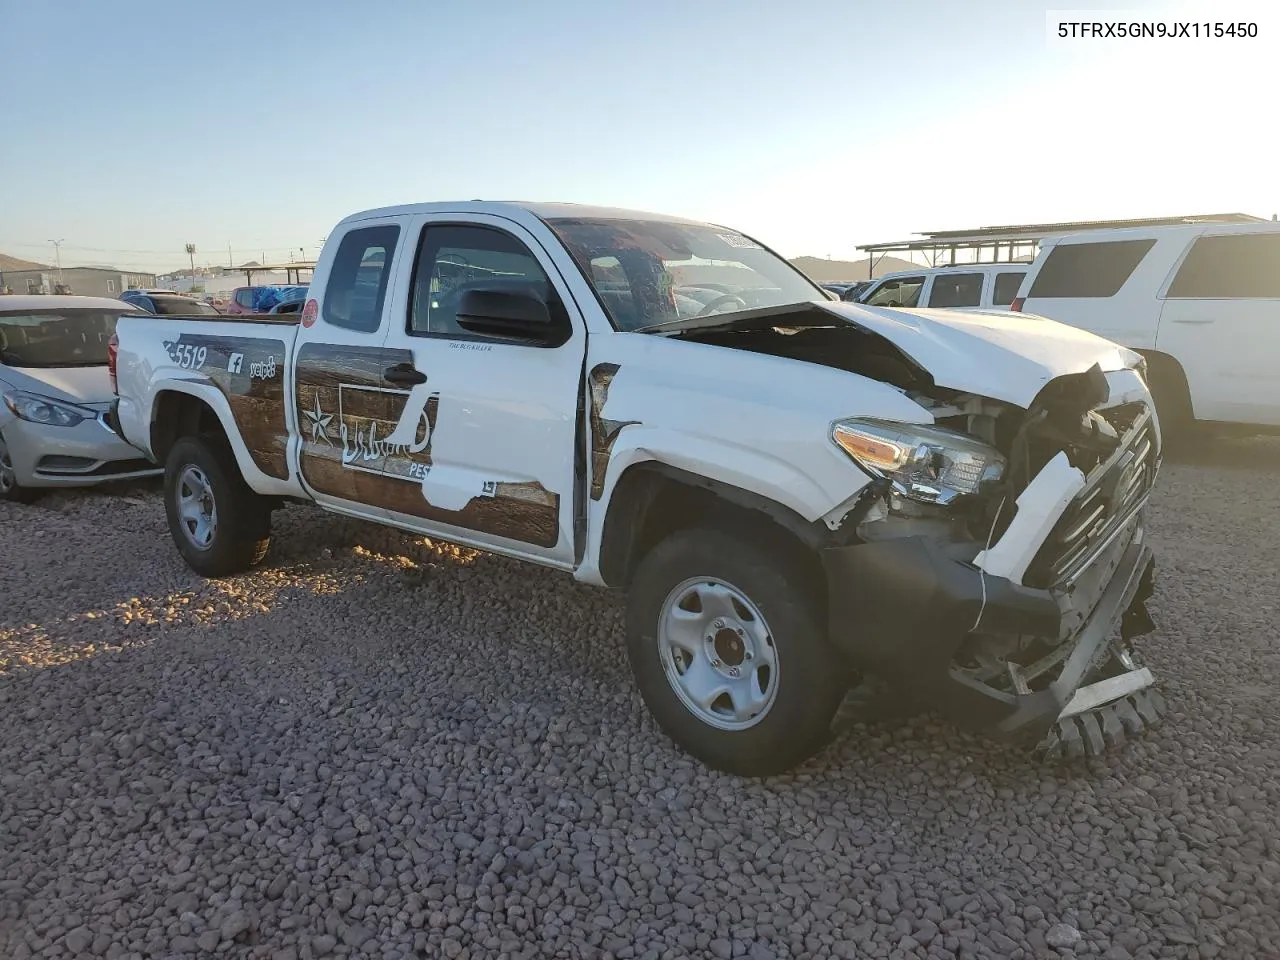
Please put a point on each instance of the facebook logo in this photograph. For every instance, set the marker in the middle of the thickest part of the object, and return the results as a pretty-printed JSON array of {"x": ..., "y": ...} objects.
[{"x": 235, "y": 362}]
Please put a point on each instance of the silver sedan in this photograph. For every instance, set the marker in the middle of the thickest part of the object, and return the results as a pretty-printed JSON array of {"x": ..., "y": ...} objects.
[{"x": 55, "y": 391}]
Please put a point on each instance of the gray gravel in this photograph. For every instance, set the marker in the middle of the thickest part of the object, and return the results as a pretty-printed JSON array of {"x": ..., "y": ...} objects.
[{"x": 377, "y": 747}]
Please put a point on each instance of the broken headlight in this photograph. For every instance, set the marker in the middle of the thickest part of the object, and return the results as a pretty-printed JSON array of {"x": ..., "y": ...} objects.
[{"x": 923, "y": 463}]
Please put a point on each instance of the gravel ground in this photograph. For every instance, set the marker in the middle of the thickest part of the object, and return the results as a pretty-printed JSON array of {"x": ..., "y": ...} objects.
[{"x": 378, "y": 747}]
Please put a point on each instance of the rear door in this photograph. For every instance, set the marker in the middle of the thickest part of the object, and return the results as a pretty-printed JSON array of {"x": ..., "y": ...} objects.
[
  {"x": 484, "y": 451},
  {"x": 1105, "y": 286},
  {"x": 956, "y": 291},
  {"x": 1221, "y": 322},
  {"x": 340, "y": 386}
]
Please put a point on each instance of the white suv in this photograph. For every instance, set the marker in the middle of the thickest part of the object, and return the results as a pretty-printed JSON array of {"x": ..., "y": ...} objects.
[
  {"x": 1200, "y": 301},
  {"x": 963, "y": 286}
]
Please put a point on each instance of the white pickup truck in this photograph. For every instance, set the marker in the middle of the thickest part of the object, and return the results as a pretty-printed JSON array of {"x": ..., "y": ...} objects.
[{"x": 793, "y": 492}]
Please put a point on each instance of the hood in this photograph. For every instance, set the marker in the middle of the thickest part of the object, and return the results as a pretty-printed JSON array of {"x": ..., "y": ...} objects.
[
  {"x": 90, "y": 386},
  {"x": 1004, "y": 356}
]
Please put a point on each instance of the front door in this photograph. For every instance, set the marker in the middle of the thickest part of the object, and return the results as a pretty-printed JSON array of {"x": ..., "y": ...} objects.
[
  {"x": 1221, "y": 321},
  {"x": 483, "y": 450}
]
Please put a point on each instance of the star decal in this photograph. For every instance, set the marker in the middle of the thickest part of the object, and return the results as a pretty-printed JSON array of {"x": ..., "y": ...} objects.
[{"x": 319, "y": 422}]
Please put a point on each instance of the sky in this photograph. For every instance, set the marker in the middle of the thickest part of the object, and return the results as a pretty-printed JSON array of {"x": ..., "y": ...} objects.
[{"x": 133, "y": 127}]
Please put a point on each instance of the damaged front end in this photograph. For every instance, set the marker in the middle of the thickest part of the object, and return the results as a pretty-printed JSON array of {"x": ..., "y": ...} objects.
[{"x": 998, "y": 565}]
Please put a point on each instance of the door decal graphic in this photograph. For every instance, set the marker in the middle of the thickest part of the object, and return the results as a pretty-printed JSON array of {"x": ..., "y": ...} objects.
[{"x": 369, "y": 443}]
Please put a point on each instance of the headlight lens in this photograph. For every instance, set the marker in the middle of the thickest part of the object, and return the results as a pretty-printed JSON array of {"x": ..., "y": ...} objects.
[
  {"x": 38, "y": 409},
  {"x": 928, "y": 464}
]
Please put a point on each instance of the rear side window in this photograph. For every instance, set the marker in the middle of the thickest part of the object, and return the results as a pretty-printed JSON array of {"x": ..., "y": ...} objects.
[
  {"x": 244, "y": 297},
  {"x": 1089, "y": 269},
  {"x": 1240, "y": 267},
  {"x": 358, "y": 281},
  {"x": 1006, "y": 288},
  {"x": 956, "y": 290}
]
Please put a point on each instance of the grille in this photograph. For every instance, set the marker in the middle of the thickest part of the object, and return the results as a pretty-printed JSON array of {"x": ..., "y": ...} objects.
[{"x": 1099, "y": 511}]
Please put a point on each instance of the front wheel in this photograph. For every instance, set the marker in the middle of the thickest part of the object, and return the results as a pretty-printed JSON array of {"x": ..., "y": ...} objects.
[
  {"x": 726, "y": 644},
  {"x": 219, "y": 525},
  {"x": 10, "y": 489}
]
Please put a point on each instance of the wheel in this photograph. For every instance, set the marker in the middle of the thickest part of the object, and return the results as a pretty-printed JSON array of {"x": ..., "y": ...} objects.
[
  {"x": 727, "y": 646},
  {"x": 220, "y": 526},
  {"x": 9, "y": 488}
]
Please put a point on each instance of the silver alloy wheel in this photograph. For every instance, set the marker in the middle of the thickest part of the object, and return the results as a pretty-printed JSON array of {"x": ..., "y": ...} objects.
[
  {"x": 8, "y": 476},
  {"x": 197, "y": 513},
  {"x": 718, "y": 653}
]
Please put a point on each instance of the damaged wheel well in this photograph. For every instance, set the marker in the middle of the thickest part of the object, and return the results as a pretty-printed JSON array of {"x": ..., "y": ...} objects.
[
  {"x": 179, "y": 415},
  {"x": 653, "y": 500}
]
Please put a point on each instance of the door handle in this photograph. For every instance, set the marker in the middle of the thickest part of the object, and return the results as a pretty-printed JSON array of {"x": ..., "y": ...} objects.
[
  {"x": 1196, "y": 322},
  {"x": 404, "y": 373}
]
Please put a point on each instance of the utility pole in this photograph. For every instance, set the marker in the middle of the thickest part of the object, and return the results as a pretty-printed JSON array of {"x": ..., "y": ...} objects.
[
  {"x": 229, "y": 263},
  {"x": 57, "y": 255},
  {"x": 191, "y": 252}
]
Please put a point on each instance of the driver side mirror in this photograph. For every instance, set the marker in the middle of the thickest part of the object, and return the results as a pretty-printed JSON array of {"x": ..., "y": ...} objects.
[{"x": 510, "y": 315}]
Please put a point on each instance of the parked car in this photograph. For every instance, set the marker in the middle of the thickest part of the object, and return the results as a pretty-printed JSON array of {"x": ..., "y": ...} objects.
[
  {"x": 790, "y": 490},
  {"x": 852, "y": 291},
  {"x": 260, "y": 299},
  {"x": 55, "y": 387},
  {"x": 970, "y": 286},
  {"x": 167, "y": 303},
  {"x": 1200, "y": 301}
]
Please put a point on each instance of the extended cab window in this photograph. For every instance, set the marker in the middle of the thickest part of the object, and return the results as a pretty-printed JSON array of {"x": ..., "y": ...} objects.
[
  {"x": 900, "y": 292},
  {"x": 1006, "y": 288},
  {"x": 956, "y": 290},
  {"x": 455, "y": 258},
  {"x": 358, "y": 281},
  {"x": 1238, "y": 267},
  {"x": 1089, "y": 269},
  {"x": 244, "y": 297}
]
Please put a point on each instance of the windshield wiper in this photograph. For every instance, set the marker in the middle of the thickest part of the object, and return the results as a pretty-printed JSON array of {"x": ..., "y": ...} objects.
[{"x": 648, "y": 328}]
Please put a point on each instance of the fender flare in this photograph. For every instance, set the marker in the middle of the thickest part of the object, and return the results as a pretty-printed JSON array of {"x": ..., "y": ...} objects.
[
  {"x": 730, "y": 464},
  {"x": 216, "y": 401},
  {"x": 761, "y": 479}
]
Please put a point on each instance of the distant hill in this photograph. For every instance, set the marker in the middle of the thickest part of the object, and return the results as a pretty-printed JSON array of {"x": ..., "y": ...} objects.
[
  {"x": 13, "y": 263},
  {"x": 821, "y": 270}
]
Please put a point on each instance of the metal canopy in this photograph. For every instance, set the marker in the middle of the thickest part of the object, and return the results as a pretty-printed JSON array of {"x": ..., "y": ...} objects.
[
  {"x": 292, "y": 271},
  {"x": 1020, "y": 242}
]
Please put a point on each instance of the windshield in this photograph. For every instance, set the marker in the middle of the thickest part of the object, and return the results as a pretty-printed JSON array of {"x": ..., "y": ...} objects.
[
  {"x": 649, "y": 273},
  {"x": 56, "y": 338},
  {"x": 179, "y": 307}
]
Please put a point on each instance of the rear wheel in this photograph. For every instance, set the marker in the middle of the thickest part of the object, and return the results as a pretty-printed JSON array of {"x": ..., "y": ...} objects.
[
  {"x": 219, "y": 525},
  {"x": 10, "y": 489},
  {"x": 727, "y": 646}
]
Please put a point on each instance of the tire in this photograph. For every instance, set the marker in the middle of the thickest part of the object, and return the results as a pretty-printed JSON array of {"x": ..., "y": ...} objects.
[
  {"x": 238, "y": 530},
  {"x": 10, "y": 490},
  {"x": 800, "y": 678}
]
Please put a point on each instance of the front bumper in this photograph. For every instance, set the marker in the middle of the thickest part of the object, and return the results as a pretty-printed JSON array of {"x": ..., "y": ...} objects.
[
  {"x": 84, "y": 455},
  {"x": 906, "y": 608}
]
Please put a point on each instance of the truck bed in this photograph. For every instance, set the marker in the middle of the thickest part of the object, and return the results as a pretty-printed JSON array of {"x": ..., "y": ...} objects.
[{"x": 242, "y": 358}]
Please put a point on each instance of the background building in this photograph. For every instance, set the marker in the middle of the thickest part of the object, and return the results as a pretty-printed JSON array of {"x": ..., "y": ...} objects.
[{"x": 25, "y": 276}]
